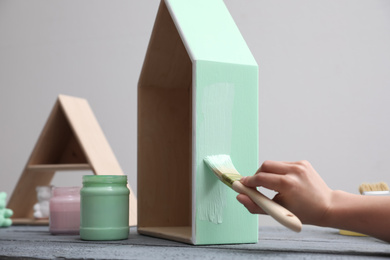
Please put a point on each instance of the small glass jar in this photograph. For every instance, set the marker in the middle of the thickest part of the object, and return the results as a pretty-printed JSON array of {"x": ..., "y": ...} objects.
[
  {"x": 65, "y": 210},
  {"x": 104, "y": 207}
]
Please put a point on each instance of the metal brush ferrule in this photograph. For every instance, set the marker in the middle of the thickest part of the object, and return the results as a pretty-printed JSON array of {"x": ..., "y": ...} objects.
[{"x": 229, "y": 178}]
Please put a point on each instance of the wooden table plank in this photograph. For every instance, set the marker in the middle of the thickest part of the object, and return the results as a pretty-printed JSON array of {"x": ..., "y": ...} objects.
[{"x": 274, "y": 243}]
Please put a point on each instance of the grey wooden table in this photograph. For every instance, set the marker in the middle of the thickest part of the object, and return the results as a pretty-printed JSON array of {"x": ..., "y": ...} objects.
[{"x": 35, "y": 242}]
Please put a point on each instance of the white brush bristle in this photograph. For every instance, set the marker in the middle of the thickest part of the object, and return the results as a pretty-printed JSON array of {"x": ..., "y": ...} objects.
[{"x": 220, "y": 163}]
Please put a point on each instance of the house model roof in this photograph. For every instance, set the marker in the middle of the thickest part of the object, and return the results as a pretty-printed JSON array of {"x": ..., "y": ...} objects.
[{"x": 209, "y": 32}]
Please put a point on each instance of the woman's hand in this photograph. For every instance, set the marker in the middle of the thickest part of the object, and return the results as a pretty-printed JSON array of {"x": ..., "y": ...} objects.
[{"x": 300, "y": 189}]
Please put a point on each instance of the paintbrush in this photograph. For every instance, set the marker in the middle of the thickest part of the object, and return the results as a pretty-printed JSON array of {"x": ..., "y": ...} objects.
[
  {"x": 379, "y": 188},
  {"x": 224, "y": 169}
]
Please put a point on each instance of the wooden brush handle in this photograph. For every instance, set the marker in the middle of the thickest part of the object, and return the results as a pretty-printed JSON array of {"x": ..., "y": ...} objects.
[{"x": 279, "y": 213}]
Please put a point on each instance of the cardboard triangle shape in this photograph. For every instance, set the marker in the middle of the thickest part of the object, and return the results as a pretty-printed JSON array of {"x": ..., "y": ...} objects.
[{"x": 71, "y": 140}]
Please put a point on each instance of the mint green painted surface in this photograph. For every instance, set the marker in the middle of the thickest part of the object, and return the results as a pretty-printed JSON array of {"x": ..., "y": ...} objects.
[
  {"x": 226, "y": 123},
  {"x": 209, "y": 32},
  {"x": 225, "y": 110},
  {"x": 104, "y": 207}
]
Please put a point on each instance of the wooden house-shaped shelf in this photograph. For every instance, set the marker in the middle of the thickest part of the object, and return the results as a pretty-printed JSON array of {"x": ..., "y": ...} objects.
[
  {"x": 71, "y": 140},
  {"x": 197, "y": 96}
]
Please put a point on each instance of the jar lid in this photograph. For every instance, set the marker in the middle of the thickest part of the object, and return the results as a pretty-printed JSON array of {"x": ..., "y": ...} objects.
[{"x": 105, "y": 179}]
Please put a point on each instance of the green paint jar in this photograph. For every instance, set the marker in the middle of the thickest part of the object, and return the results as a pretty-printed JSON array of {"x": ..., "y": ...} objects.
[{"x": 104, "y": 207}]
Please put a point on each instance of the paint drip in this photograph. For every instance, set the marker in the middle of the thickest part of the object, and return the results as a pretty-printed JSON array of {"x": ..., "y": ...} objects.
[{"x": 213, "y": 204}]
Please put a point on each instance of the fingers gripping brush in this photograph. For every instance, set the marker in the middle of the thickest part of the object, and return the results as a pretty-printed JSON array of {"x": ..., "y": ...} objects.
[{"x": 224, "y": 169}]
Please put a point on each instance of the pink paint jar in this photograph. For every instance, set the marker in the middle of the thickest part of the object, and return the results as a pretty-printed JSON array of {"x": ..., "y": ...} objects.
[{"x": 65, "y": 210}]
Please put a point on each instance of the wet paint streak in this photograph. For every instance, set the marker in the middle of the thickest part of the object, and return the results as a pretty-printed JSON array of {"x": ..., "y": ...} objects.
[{"x": 217, "y": 109}]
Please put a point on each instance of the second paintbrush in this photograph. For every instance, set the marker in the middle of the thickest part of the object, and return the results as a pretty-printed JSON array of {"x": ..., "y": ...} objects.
[{"x": 224, "y": 169}]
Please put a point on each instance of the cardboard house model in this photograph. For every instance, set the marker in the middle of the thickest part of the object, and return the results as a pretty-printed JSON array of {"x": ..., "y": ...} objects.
[
  {"x": 71, "y": 140},
  {"x": 197, "y": 96}
]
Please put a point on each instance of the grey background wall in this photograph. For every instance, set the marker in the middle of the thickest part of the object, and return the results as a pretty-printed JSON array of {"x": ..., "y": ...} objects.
[{"x": 324, "y": 79}]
